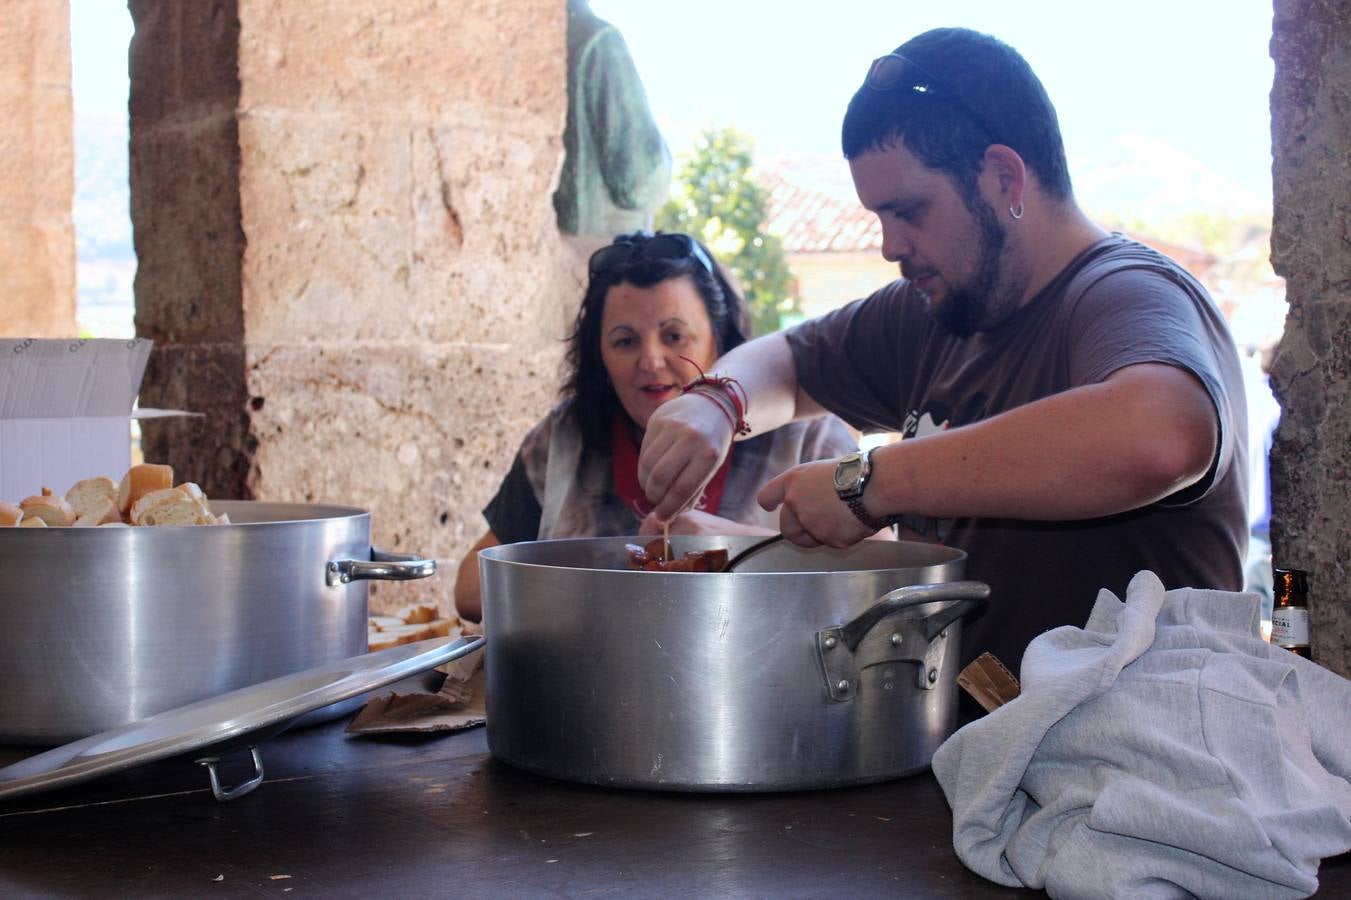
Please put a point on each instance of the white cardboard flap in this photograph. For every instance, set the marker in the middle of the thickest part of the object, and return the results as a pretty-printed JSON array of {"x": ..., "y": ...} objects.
[
  {"x": 49, "y": 379},
  {"x": 56, "y": 453},
  {"x": 149, "y": 412},
  {"x": 66, "y": 411}
]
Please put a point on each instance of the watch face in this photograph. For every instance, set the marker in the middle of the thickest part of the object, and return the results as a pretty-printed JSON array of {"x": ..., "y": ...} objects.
[{"x": 847, "y": 473}]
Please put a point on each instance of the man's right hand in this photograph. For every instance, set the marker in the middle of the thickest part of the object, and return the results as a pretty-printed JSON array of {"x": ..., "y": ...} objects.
[{"x": 684, "y": 443}]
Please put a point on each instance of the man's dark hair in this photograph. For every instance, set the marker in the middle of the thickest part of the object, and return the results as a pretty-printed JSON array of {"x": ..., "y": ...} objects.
[
  {"x": 998, "y": 99},
  {"x": 586, "y": 382}
]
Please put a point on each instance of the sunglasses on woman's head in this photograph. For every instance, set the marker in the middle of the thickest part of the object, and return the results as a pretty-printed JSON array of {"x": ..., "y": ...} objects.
[
  {"x": 658, "y": 246},
  {"x": 895, "y": 72}
]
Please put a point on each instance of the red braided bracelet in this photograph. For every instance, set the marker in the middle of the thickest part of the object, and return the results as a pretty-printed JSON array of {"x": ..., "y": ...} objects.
[{"x": 724, "y": 392}]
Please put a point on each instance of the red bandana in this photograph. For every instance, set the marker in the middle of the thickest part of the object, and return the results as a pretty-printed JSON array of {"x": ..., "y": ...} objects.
[{"x": 624, "y": 466}]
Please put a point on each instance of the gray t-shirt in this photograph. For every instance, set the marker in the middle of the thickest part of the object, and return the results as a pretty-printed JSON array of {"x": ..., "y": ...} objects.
[{"x": 884, "y": 364}]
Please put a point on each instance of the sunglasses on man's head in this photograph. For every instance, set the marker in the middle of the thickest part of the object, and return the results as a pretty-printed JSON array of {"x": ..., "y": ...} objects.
[
  {"x": 895, "y": 72},
  {"x": 658, "y": 246}
]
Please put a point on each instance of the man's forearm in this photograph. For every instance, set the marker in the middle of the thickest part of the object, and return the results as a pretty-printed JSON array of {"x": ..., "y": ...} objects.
[{"x": 1089, "y": 452}]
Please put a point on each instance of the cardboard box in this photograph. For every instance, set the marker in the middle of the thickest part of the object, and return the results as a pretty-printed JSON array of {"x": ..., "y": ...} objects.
[{"x": 66, "y": 408}]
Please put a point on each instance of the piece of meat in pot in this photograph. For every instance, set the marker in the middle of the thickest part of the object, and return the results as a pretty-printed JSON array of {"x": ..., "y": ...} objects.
[{"x": 650, "y": 558}]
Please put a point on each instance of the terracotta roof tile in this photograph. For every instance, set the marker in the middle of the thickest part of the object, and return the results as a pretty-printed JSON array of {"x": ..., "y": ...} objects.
[{"x": 809, "y": 221}]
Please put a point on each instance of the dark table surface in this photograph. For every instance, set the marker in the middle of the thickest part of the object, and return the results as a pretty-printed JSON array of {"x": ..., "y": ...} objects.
[
  {"x": 437, "y": 816},
  {"x": 427, "y": 816}
]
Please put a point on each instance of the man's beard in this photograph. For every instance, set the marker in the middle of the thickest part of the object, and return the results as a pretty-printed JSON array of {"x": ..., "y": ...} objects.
[{"x": 975, "y": 305}]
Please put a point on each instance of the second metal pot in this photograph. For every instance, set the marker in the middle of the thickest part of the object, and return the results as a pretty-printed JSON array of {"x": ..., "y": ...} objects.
[
  {"x": 100, "y": 627},
  {"x": 804, "y": 669}
]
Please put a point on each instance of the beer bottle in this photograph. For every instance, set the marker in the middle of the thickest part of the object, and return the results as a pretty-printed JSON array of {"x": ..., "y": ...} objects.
[{"x": 1290, "y": 610}]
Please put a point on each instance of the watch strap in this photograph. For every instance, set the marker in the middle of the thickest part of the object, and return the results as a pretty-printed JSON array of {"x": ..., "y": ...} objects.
[{"x": 861, "y": 512}]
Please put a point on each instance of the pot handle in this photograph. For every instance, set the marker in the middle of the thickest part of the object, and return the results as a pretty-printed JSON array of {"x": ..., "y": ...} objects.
[
  {"x": 969, "y": 595},
  {"x": 382, "y": 566},
  {"x": 222, "y": 794},
  {"x": 844, "y": 653}
]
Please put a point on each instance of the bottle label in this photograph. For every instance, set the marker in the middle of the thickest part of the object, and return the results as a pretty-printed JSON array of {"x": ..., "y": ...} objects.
[{"x": 1290, "y": 626}]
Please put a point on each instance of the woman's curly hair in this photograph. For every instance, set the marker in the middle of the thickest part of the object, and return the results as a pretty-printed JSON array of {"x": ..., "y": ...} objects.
[{"x": 586, "y": 382}]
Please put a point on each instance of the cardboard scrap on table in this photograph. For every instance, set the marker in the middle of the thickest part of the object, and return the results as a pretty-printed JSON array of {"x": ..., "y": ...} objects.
[
  {"x": 458, "y": 705},
  {"x": 989, "y": 682}
]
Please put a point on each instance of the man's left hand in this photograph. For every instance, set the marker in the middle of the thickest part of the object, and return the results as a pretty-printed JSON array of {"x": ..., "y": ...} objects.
[{"x": 812, "y": 513}]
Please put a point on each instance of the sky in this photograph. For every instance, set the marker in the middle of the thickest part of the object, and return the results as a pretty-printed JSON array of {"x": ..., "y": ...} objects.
[
  {"x": 1161, "y": 85},
  {"x": 100, "y": 31},
  {"x": 1165, "y": 86}
]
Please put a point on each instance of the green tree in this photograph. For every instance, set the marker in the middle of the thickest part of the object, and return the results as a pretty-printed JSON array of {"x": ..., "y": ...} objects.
[{"x": 714, "y": 199}]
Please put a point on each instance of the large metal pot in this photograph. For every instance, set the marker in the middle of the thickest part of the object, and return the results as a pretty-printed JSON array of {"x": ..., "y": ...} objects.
[
  {"x": 100, "y": 627},
  {"x": 802, "y": 669}
]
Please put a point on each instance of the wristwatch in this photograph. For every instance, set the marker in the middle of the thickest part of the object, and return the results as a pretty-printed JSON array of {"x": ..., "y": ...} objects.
[{"x": 852, "y": 473}]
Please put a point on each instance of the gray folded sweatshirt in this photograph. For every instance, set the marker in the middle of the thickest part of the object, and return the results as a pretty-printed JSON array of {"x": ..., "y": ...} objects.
[{"x": 1162, "y": 750}]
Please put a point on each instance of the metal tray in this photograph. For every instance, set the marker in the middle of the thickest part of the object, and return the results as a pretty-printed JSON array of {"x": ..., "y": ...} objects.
[{"x": 244, "y": 717}]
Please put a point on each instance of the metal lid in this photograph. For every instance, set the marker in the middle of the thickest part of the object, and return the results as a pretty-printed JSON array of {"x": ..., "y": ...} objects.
[{"x": 246, "y": 716}]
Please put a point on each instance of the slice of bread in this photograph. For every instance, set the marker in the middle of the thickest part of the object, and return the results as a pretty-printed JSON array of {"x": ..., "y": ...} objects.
[
  {"x": 170, "y": 507},
  {"x": 187, "y": 513},
  {"x": 49, "y": 508},
  {"x": 90, "y": 495},
  {"x": 32, "y": 523},
  {"x": 96, "y": 516},
  {"x": 418, "y": 615},
  {"x": 380, "y": 623},
  {"x": 407, "y": 634},
  {"x": 9, "y": 514},
  {"x": 380, "y": 640},
  {"x": 139, "y": 481},
  {"x": 137, "y": 510},
  {"x": 443, "y": 627}
]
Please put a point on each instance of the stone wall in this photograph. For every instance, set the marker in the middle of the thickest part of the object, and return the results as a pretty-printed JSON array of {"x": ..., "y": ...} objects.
[
  {"x": 1311, "y": 375},
  {"x": 348, "y": 255},
  {"x": 37, "y": 171}
]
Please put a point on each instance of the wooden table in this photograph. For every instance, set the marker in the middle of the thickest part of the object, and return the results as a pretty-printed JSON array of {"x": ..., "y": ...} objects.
[
  {"x": 339, "y": 816},
  {"x": 436, "y": 816}
]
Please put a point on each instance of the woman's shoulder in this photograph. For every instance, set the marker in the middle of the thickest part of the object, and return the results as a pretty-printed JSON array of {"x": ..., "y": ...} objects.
[
  {"x": 556, "y": 429},
  {"x": 562, "y": 415}
]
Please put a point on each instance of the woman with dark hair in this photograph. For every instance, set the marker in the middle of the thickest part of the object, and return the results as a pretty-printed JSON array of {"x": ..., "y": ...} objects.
[{"x": 657, "y": 312}]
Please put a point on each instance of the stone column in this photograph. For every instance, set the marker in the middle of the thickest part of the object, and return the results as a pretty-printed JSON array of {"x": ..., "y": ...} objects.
[
  {"x": 37, "y": 171},
  {"x": 1311, "y": 249},
  {"x": 348, "y": 256}
]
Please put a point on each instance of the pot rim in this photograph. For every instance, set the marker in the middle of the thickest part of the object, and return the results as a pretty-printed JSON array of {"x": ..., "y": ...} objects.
[{"x": 501, "y": 554}]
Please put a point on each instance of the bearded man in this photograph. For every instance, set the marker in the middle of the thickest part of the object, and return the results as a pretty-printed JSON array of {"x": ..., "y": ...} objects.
[{"x": 1071, "y": 402}]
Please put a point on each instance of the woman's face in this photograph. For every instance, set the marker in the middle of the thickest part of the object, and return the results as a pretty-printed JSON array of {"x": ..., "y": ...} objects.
[{"x": 643, "y": 333}]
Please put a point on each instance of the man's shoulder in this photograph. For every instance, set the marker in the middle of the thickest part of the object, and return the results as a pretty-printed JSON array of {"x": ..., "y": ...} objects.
[{"x": 1117, "y": 254}]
